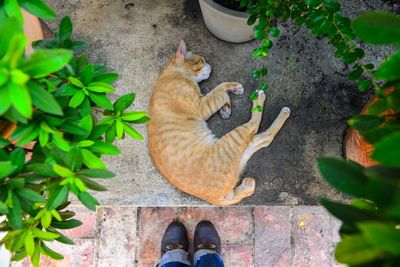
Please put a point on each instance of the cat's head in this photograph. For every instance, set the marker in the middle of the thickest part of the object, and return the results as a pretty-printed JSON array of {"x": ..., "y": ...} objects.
[{"x": 194, "y": 65}]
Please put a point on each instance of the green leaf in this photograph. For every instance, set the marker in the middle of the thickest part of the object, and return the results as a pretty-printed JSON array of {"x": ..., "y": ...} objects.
[
  {"x": 365, "y": 122},
  {"x": 5, "y": 101},
  {"x": 77, "y": 99},
  {"x": 344, "y": 176},
  {"x": 124, "y": 102},
  {"x": 356, "y": 250},
  {"x": 75, "y": 81},
  {"x": 364, "y": 85},
  {"x": 38, "y": 8},
  {"x": 67, "y": 224},
  {"x": 93, "y": 185},
  {"x": 65, "y": 29},
  {"x": 101, "y": 100},
  {"x": 47, "y": 236},
  {"x": 252, "y": 19},
  {"x": 258, "y": 32},
  {"x": 120, "y": 128},
  {"x": 97, "y": 173},
  {"x": 348, "y": 214},
  {"x": 43, "y": 100},
  {"x": 387, "y": 151},
  {"x": 274, "y": 31},
  {"x": 142, "y": 120},
  {"x": 384, "y": 26},
  {"x": 132, "y": 132},
  {"x": 87, "y": 74},
  {"x": 100, "y": 87},
  {"x": 91, "y": 160},
  {"x": 73, "y": 159},
  {"x": 15, "y": 214},
  {"x": 356, "y": 74},
  {"x": 104, "y": 148},
  {"x": 389, "y": 69},
  {"x": 29, "y": 195},
  {"x": 12, "y": 9},
  {"x": 41, "y": 169},
  {"x": 106, "y": 78},
  {"x": 111, "y": 133},
  {"x": 29, "y": 243},
  {"x": 44, "y": 62},
  {"x": 21, "y": 99},
  {"x": 3, "y": 142},
  {"x": 6, "y": 168},
  {"x": 51, "y": 253},
  {"x": 382, "y": 236},
  {"x": 62, "y": 171},
  {"x": 63, "y": 239},
  {"x": 133, "y": 115},
  {"x": 73, "y": 128},
  {"x": 61, "y": 143},
  {"x": 17, "y": 158},
  {"x": 57, "y": 198},
  {"x": 35, "y": 259},
  {"x": 8, "y": 29},
  {"x": 3, "y": 208},
  {"x": 87, "y": 200}
]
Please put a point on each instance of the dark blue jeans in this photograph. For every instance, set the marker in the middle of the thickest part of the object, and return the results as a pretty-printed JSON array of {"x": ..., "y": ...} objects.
[{"x": 202, "y": 259}]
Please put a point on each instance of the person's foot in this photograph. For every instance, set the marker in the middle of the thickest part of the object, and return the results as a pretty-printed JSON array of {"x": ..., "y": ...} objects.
[
  {"x": 206, "y": 237},
  {"x": 175, "y": 237}
]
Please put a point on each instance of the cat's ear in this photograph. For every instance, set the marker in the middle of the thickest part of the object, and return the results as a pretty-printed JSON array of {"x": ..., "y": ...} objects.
[{"x": 182, "y": 51}]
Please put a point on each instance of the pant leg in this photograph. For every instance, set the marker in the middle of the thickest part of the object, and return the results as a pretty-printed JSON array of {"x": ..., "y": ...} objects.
[
  {"x": 207, "y": 258},
  {"x": 175, "y": 258}
]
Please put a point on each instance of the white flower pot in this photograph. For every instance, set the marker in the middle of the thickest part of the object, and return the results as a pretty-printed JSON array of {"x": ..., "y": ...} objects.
[{"x": 226, "y": 24}]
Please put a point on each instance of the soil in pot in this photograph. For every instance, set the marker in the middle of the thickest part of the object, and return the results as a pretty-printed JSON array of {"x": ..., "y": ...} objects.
[{"x": 231, "y": 4}]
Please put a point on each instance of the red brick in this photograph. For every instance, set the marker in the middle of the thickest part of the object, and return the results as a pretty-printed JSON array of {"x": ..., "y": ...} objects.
[
  {"x": 272, "y": 236},
  {"x": 238, "y": 255},
  {"x": 88, "y": 219},
  {"x": 234, "y": 224},
  {"x": 152, "y": 224},
  {"x": 117, "y": 236},
  {"x": 312, "y": 237}
]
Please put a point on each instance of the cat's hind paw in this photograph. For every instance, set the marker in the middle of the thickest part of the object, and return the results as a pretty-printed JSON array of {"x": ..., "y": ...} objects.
[{"x": 225, "y": 111}]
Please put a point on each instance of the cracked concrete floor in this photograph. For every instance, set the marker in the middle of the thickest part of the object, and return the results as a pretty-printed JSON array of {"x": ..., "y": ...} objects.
[{"x": 136, "y": 38}]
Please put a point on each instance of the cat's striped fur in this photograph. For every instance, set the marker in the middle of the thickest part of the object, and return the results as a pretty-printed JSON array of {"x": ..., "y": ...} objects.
[{"x": 182, "y": 146}]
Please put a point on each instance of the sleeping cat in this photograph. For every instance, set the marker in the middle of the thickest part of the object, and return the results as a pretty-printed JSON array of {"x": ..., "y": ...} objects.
[{"x": 182, "y": 146}]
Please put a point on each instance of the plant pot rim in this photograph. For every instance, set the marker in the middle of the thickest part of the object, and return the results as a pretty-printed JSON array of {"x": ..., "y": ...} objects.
[{"x": 226, "y": 11}]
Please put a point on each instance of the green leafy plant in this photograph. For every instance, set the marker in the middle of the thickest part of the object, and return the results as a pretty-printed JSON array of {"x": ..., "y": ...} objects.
[
  {"x": 61, "y": 108},
  {"x": 371, "y": 222},
  {"x": 323, "y": 18}
]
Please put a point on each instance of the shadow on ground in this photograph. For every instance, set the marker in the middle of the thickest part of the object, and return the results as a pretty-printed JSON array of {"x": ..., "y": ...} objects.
[{"x": 137, "y": 38}]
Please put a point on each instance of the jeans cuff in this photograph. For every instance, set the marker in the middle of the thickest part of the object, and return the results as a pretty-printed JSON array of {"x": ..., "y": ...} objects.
[
  {"x": 175, "y": 255},
  {"x": 198, "y": 254}
]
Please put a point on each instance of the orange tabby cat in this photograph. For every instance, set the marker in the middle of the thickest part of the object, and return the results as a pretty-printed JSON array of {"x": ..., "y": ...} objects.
[{"x": 182, "y": 146}]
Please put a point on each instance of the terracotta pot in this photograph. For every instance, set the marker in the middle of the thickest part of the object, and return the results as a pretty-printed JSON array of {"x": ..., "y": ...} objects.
[
  {"x": 226, "y": 24},
  {"x": 356, "y": 148},
  {"x": 33, "y": 32}
]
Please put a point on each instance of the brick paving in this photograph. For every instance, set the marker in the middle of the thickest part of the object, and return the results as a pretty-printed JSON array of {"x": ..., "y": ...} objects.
[{"x": 263, "y": 236}]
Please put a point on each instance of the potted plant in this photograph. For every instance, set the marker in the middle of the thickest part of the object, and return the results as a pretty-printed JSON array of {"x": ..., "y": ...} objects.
[
  {"x": 58, "y": 102},
  {"x": 227, "y": 20}
]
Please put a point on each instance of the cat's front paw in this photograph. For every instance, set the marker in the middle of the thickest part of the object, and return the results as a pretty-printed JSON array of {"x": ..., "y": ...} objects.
[
  {"x": 238, "y": 89},
  {"x": 225, "y": 111}
]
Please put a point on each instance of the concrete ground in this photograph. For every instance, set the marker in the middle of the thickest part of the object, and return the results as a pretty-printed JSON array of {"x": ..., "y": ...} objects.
[
  {"x": 277, "y": 236},
  {"x": 136, "y": 38}
]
